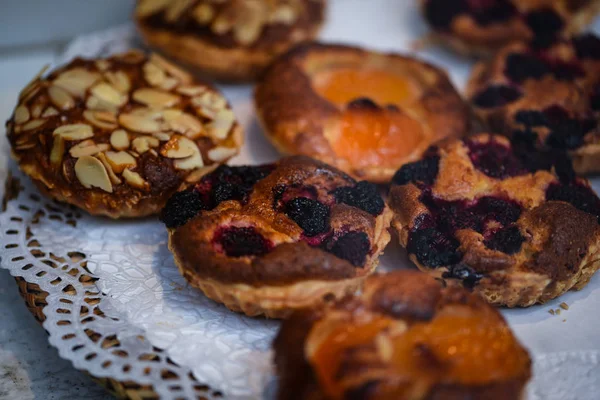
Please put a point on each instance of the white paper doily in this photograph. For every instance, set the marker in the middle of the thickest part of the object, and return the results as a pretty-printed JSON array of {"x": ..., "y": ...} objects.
[{"x": 127, "y": 286}]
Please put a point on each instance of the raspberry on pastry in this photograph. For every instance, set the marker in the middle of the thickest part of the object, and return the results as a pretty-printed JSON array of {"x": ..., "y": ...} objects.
[
  {"x": 273, "y": 238},
  {"x": 232, "y": 40},
  {"x": 544, "y": 95},
  {"x": 364, "y": 112},
  {"x": 405, "y": 336},
  {"x": 118, "y": 136},
  {"x": 481, "y": 27},
  {"x": 515, "y": 225}
]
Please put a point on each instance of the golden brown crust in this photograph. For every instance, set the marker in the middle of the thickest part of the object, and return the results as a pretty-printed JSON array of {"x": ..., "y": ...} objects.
[
  {"x": 482, "y": 32},
  {"x": 256, "y": 254},
  {"x": 515, "y": 236},
  {"x": 396, "y": 309},
  {"x": 298, "y": 120},
  {"x": 231, "y": 40},
  {"x": 555, "y": 101},
  {"x": 118, "y": 136}
]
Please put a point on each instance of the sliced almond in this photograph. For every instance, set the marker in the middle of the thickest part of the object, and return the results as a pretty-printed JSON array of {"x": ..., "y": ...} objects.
[
  {"x": 21, "y": 114},
  {"x": 33, "y": 124},
  {"x": 36, "y": 110},
  {"x": 176, "y": 9},
  {"x": 139, "y": 123},
  {"x": 284, "y": 14},
  {"x": 250, "y": 21},
  {"x": 91, "y": 173},
  {"x": 171, "y": 69},
  {"x": 120, "y": 160},
  {"x": 155, "y": 98},
  {"x": 219, "y": 128},
  {"x": 171, "y": 114},
  {"x": 208, "y": 104},
  {"x": 87, "y": 149},
  {"x": 196, "y": 175},
  {"x": 134, "y": 179},
  {"x": 96, "y": 104},
  {"x": 119, "y": 140},
  {"x": 61, "y": 98},
  {"x": 77, "y": 81},
  {"x": 114, "y": 179},
  {"x": 191, "y": 90},
  {"x": 74, "y": 132},
  {"x": 109, "y": 94},
  {"x": 119, "y": 80},
  {"x": 100, "y": 119},
  {"x": 58, "y": 151},
  {"x": 148, "y": 7},
  {"x": 142, "y": 144},
  {"x": 34, "y": 83},
  {"x": 179, "y": 147},
  {"x": 162, "y": 136},
  {"x": 102, "y": 64},
  {"x": 193, "y": 162},
  {"x": 50, "y": 112},
  {"x": 133, "y": 56},
  {"x": 203, "y": 13},
  {"x": 219, "y": 154},
  {"x": 154, "y": 74},
  {"x": 188, "y": 125}
]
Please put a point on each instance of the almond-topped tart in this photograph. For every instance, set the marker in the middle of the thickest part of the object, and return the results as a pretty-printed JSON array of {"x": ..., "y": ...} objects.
[
  {"x": 481, "y": 27},
  {"x": 366, "y": 113},
  {"x": 231, "y": 40},
  {"x": 515, "y": 225},
  {"x": 547, "y": 95},
  {"x": 404, "y": 337},
  {"x": 118, "y": 136},
  {"x": 269, "y": 239}
]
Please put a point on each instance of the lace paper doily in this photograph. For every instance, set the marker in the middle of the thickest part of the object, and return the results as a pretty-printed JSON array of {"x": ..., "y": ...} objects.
[{"x": 118, "y": 308}]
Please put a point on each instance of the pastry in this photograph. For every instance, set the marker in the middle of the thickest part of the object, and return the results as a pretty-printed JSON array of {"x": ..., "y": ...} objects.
[
  {"x": 364, "y": 112},
  {"x": 231, "y": 40},
  {"x": 482, "y": 27},
  {"x": 268, "y": 239},
  {"x": 404, "y": 337},
  {"x": 118, "y": 136},
  {"x": 515, "y": 225},
  {"x": 549, "y": 95}
]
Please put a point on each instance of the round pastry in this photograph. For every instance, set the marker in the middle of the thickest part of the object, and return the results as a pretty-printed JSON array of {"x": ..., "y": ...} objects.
[
  {"x": 119, "y": 136},
  {"x": 231, "y": 40},
  {"x": 404, "y": 337},
  {"x": 482, "y": 27},
  {"x": 550, "y": 95},
  {"x": 515, "y": 225},
  {"x": 364, "y": 112},
  {"x": 273, "y": 238}
]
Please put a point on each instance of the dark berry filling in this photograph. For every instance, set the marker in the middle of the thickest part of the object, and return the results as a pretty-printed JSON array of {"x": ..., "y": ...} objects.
[
  {"x": 496, "y": 96},
  {"x": 352, "y": 247},
  {"x": 433, "y": 248},
  {"x": 463, "y": 273},
  {"x": 363, "y": 195},
  {"x": 487, "y": 12},
  {"x": 310, "y": 215},
  {"x": 507, "y": 240},
  {"x": 363, "y": 103},
  {"x": 494, "y": 159},
  {"x": 520, "y": 67},
  {"x": 441, "y": 13},
  {"x": 587, "y": 46},
  {"x": 595, "y": 98},
  {"x": 580, "y": 196},
  {"x": 241, "y": 242},
  {"x": 423, "y": 171},
  {"x": 544, "y": 22},
  {"x": 181, "y": 207}
]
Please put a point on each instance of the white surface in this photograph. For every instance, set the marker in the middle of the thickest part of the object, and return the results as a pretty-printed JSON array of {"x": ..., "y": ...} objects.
[{"x": 144, "y": 289}]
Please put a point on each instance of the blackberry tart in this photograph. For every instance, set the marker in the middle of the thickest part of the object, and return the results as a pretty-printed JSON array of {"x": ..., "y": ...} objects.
[
  {"x": 546, "y": 95},
  {"x": 481, "y": 27},
  {"x": 232, "y": 40},
  {"x": 364, "y": 112},
  {"x": 118, "y": 136},
  {"x": 404, "y": 337},
  {"x": 515, "y": 225},
  {"x": 265, "y": 240}
]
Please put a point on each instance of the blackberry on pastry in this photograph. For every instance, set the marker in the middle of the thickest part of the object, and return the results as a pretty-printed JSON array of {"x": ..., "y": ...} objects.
[
  {"x": 405, "y": 336},
  {"x": 515, "y": 225},
  {"x": 549, "y": 95},
  {"x": 232, "y": 40},
  {"x": 481, "y": 27},
  {"x": 269, "y": 239},
  {"x": 364, "y": 112},
  {"x": 118, "y": 136}
]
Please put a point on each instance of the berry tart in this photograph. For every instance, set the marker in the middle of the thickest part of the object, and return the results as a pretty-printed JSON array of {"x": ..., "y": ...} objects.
[
  {"x": 406, "y": 336},
  {"x": 232, "y": 40},
  {"x": 550, "y": 95},
  {"x": 364, "y": 112},
  {"x": 118, "y": 136},
  {"x": 481, "y": 27},
  {"x": 513, "y": 224},
  {"x": 268, "y": 239}
]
